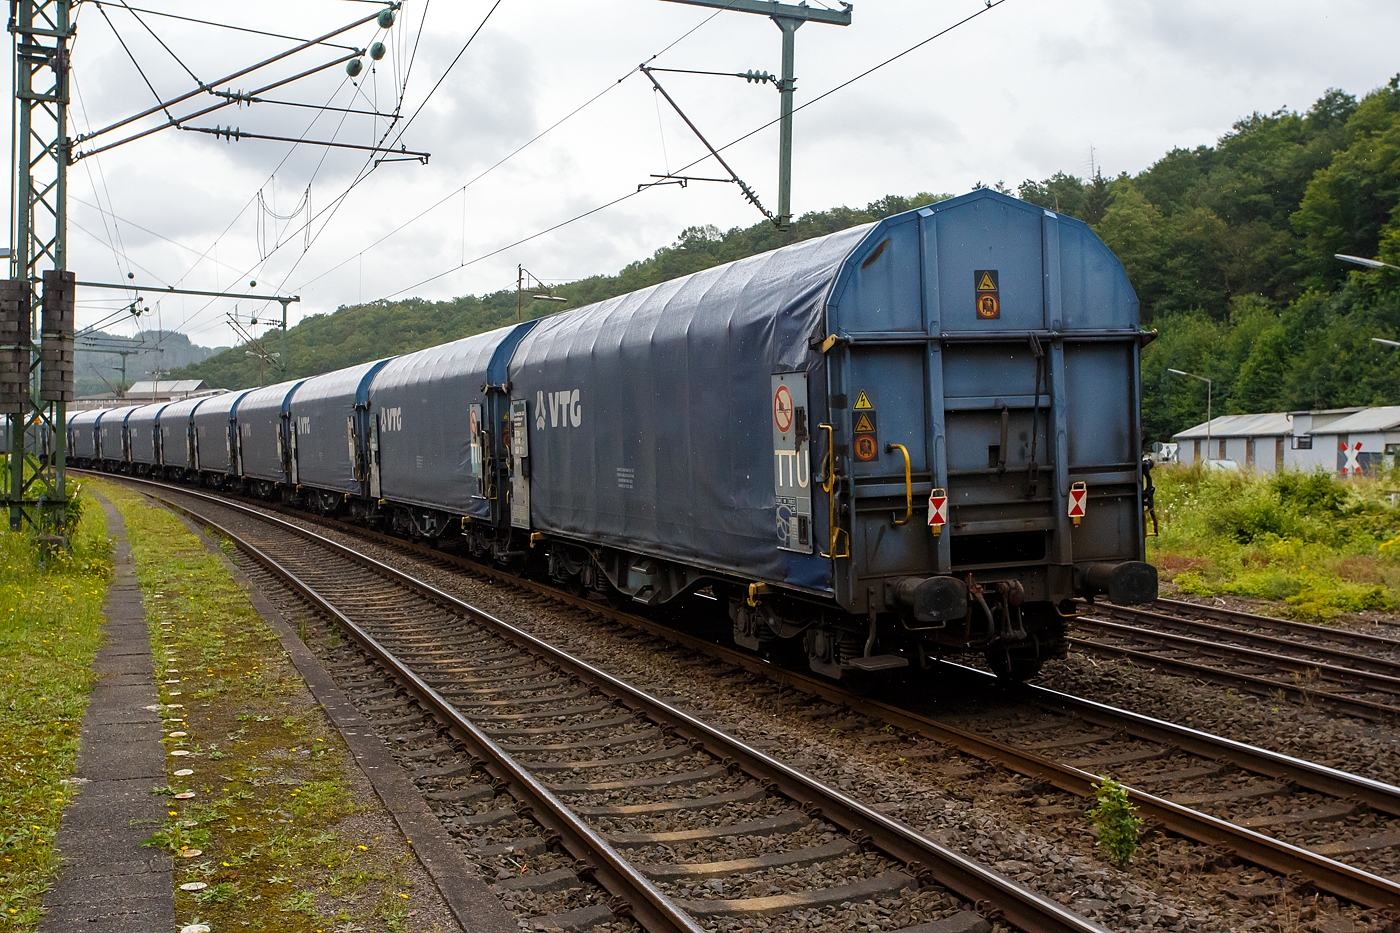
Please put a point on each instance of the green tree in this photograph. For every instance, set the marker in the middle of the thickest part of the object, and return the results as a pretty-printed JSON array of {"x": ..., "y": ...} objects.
[{"x": 1353, "y": 204}]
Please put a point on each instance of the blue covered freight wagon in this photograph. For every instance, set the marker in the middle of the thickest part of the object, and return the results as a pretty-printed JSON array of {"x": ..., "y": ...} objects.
[
  {"x": 266, "y": 440},
  {"x": 112, "y": 447},
  {"x": 929, "y": 423},
  {"x": 215, "y": 439},
  {"x": 143, "y": 437},
  {"x": 177, "y": 446},
  {"x": 329, "y": 414},
  {"x": 82, "y": 436},
  {"x": 438, "y": 447}
]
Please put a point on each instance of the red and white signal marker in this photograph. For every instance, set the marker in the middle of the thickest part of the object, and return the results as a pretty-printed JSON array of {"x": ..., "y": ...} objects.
[
  {"x": 1078, "y": 502},
  {"x": 937, "y": 510}
]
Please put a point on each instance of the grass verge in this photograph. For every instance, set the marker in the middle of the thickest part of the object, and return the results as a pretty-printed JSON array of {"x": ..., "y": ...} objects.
[
  {"x": 1322, "y": 545},
  {"x": 274, "y": 834},
  {"x": 50, "y": 629}
]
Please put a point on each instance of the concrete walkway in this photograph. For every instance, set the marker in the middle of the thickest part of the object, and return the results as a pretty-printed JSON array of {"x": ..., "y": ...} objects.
[{"x": 108, "y": 883}]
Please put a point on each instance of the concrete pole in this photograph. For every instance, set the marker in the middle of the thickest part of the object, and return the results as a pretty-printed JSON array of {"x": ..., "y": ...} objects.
[{"x": 789, "y": 26}]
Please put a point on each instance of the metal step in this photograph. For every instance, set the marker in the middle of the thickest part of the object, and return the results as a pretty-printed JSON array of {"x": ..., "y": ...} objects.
[{"x": 877, "y": 662}]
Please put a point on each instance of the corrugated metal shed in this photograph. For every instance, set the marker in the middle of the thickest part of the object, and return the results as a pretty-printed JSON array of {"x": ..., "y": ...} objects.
[
  {"x": 1366, "y": 421},
  {"x": 1269, "y": 424},
  {"x": 167, "y": 387}
]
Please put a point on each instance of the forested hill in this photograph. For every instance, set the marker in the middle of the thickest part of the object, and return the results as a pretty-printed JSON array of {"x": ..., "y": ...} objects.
[{"x": 1230, "y": 248}]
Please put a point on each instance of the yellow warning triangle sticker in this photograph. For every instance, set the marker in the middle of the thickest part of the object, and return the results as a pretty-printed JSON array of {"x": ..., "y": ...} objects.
[
  {"x": 986, "y": 285},
  {"x": 863, "y": 401},
  {"x": 863, "y": 426}
]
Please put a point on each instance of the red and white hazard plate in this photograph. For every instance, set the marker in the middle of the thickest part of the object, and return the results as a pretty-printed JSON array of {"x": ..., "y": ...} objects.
[
  {"x": 938, "y": 507},
  {"x": 1078, "y": 500}
]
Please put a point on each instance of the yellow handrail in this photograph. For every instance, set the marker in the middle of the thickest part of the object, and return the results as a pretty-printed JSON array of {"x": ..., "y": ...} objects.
[
  {"x": 908, "y": 485},
  {"x": 828, "y": 481},
  {"x": 829, "y": 486}
]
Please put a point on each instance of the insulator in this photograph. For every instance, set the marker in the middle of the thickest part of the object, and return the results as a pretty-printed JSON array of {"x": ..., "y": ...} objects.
[
  {"x": 386, "y": 19},
  {"x": 354, "y": 66},
  {"x": 376, "y": 51}
]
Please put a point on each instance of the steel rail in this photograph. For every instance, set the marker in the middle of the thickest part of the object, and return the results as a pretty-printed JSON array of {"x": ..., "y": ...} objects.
[
  {"x": 1367, "y": 709},
  {"x": 926, "y": 860},
  {"x": 1334, "y": 877},
  {"x": 1131, "y": 614},
  {"x": 1333, "y": 673},
  {"x": 645, "y": 903},
  {"x": 1308, "y": 628}
]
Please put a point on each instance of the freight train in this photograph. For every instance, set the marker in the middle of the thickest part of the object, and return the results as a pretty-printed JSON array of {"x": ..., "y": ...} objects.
[{"x": 906, "y": 440}]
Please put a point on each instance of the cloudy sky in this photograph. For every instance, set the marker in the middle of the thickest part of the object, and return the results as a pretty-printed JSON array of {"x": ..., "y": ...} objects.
[{"x": 1025, "y": 89}]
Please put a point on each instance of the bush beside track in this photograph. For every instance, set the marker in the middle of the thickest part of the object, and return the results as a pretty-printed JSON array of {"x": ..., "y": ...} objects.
[{"x": 1322, "y": 546}]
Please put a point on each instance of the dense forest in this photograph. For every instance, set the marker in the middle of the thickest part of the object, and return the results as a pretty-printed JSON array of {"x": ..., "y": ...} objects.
[{"x": 1230, "y": 248}]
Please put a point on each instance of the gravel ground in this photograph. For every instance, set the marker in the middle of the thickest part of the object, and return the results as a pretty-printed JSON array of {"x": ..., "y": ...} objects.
[{"x": 1036, "y": 836}]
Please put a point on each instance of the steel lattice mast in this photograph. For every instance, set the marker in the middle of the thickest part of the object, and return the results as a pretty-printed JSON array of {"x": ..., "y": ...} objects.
[{"x": 36, "y": 382}]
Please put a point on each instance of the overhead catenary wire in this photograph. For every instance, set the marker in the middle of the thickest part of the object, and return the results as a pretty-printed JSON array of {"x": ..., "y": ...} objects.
[
  {"x": 370, "y": 164},
  {"x": 230, "y": 26},
  {"x": 402, "y": 91},
  {"x": 161, "y": 104},
  {"x": 990, "y": 5},
  {"x": 305, "y": 44},
  {"x": 158, "y": 39},
  {"x": 447, "y": 71},
  {"x": 519, "y": 149}
]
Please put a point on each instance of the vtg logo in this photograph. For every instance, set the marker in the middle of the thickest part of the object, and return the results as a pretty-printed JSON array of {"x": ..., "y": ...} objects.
[
  {"x": 564, "y": 407},
  {"x": 391, "y": 419}
]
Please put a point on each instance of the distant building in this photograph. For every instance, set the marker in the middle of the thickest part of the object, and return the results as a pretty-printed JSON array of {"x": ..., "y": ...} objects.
[
  {"x": 1260, "y": 441},
  {"x": 1359, "y": 443},
  {"x": 145, "y": 393},
  {"x": 1346, "y": 441},
  {"x": 167, "y": 391}
]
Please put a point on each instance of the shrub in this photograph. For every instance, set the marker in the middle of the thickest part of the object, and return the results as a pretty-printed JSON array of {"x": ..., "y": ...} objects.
[{"x": 1117, "y": 822}]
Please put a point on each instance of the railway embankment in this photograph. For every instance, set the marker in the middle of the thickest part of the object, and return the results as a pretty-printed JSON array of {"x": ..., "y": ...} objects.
[
  {"x": 50, "y": 629},
  {"x": 268, "y": 819}
]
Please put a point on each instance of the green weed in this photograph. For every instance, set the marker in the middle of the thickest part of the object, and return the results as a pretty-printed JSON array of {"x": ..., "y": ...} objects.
[
  {"x": 1117, "y": 822},
  {"x": 50, "y": 618}
]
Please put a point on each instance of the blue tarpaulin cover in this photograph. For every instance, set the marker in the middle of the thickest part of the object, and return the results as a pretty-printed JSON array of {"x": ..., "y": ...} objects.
[
  {"x": 320, "y": 408},
  {"x": 174, "y": 432},
  {"x": 141, "y": 427},
  {"x": 82, "y": 433},
  {"x": 211, "y": 424},
  {"x": 421, "y": 400},
  {"x": 260, "y": 427},
  {"x": 109, "y": 431},
  {"x": 650, "y": 413}
]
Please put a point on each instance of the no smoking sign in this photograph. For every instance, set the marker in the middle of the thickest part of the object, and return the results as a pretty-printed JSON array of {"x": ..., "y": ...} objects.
[{"x": 782, "y": 409}]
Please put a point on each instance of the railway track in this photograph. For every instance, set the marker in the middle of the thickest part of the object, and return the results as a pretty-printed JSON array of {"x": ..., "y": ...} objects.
[
  {"x": 1302, "y": 820},
  {"x": 547, "y": 752},
  {"x": 1353, "y": 672}
]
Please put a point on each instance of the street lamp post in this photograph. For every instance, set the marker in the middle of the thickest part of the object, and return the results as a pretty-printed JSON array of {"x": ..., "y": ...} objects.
[{"x": 1181, "y": 372}]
